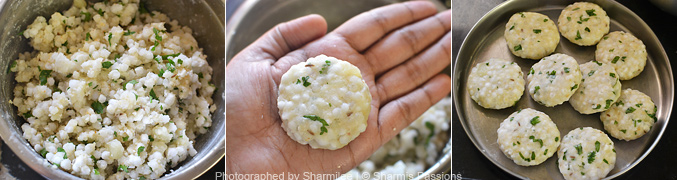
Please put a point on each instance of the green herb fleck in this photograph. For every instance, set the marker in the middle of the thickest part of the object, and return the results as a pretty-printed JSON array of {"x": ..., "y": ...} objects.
[
  {"x": 535, "y": 121},
  {"x": 157, "y": 36},
  {"x": 607, "y": 162},
  {"x": 579, "y": 149},
  {"x": 44, "y": 74},
  {"x": 608, "y": 103},
  {"x": 43, "y": 152},
  {"x": 536, "y": 89},
  {"x": 623, "y": 130},
  {"x": 305, "y": 81},
  {"x": 138, "y": 151},
  {"x": 597, "y": 107},
  {"x": 98, "y": 107},
  {"x": 566, "y": 69},
  {"x": 615, "y": 59},
  {"x": 430, "y": 127},
  {"x": 518, "y": 47},
  {"x": 106, "y": 64},
  {"x": 587, "y": 29},
  {"x": 153, "y": 95},
  {"x": 574, "y": 87},
  {"x": 590, "y": 12},
  {"x": 323, "y": 129},
  {"x": 578, "y": 35},
  {"x": 128, "y": 32},
  {"x": 630, "y": 110},
  {"x": 537, "y": 31},
  {"x": 591, "y": 73},
  {"x": 123, "y": 168}
]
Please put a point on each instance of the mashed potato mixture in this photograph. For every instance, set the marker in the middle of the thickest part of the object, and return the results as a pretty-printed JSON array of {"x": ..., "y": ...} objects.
[{"x": 112, "y": 91}]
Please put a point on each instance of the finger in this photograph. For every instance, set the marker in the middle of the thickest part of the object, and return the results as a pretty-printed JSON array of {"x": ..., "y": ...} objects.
[
  {"x": 409, "y": 75},
  {"x": 399, "y": 113},
  {"x": 402, "y": 44},
  {"x": 286, "y": 37},
  {"x": 363, "y": 30}
]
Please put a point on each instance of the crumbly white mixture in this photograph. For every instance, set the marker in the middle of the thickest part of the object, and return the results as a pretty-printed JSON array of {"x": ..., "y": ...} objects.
[
  {"x": 632, "y": 116},
  {"x": 586, "y": 153},
  {"x": 113, "y": 91},
  {"x": 416, "y": 148},
  {"x": 496, "y": 84},
  {"x": 598, "y": 90},
  {"x": 324, "y": 102},
  {"x": 554, "y": 79},
  {"x": 528, "y": 137},
  {"x": 531, "y": 35},
  {"x": 623, "y": 51},
  {"x": 583, "y": 23}
]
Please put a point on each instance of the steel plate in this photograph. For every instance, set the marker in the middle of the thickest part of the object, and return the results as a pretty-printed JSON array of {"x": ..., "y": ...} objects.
[{"x": 485, "y": 41}]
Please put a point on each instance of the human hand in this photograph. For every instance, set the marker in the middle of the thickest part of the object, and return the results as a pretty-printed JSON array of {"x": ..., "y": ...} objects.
[{"x": 400, "y": 50}]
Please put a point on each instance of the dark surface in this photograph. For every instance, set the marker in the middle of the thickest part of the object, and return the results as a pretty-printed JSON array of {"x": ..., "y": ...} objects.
[{"x": 469, "y": 163}]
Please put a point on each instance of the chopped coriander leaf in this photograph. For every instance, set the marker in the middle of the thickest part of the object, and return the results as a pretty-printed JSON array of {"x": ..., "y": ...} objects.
[
  {"x": 613, "y": 75},
  {"x": 566, "y": 69},
  {"x": 568, "y": 18},
  {"x": 587, "y": 29},
  {"x": 605, "y": 161},
  {"x": 615, "y": 59},
  {"x": 99, "y": 11},
  {"x": 545, "y": 20},
  {"x": 170, "y": 55},
  {"x": 153, "y": 95},
  {"x": 123, "y": 168},
  {"x": 125, "y": 138},
  {"x": 138, "y": 151},
  {"x": 590, "y": 12},
  {"x": 98, "y": 107},
  {"x": 430, "y": 127},
  {"x": 109, "y": 37},
  {"x": 323, "y": 129},
  {"x": 128, "y": 33},
  {"x": 43, "y": 152},
  {"x": 537, "y": 31},
  {"x": 629, "y": 110},
  {"x": 535, "y": 121},
  {"x": 157, "y": 36},
  {"x": 591, "y": 157},
  {"x": 531, "y": 71},
  {"x": 180, "y": 61},
  {"x": 576, "y": 8},
  {"x": 591, "y": 73},
  {"x": 518, "y": 47},
  {"x": 151, "y": 138},
  {"x": 44, "y": 74},
  {"x": 623, "y": 130},
  {"x": 597, "y": 146},
  {"x": 106, "y": 64},
  {"x": 597, "y": 107},
  {"x": 88, "y": 16},
  {"x": 305, "y": 81},
  {"x": 512, "y": 27},
  {"x": 608, "y": 103},
  {"x": 65, "y": 156},
  {"x": 578, "y": 35},
  {"x": 536, "y": 89},
  {"x": 556, "y": 139},
  {"x": 579, "y": 149}
]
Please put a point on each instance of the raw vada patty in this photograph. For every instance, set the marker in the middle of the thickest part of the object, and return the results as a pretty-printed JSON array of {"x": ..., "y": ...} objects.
[
  {"x": 496, "y": 84},
  {"x": 631, "y": 116},
  {"x": 554, "y": 79},
  {"x": 583, "y": 23},
  {"x": 323, "y": 102},
  {"x": 586, "y": 153},
  {"x": 623, "y": 51},
  {"x": 528, "y": 137},
  {"x": 598, "y": 90},
  {"x": 531, "y": 35}
]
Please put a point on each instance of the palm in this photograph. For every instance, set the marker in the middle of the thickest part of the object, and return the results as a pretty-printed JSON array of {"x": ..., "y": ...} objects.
[{"x": 255, "y": 139}]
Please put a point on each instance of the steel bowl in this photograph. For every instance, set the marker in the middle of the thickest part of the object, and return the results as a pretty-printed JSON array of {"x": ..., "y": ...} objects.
[
  {"x": 255, "y": 17},
  {"x": 205, "y": 17}
]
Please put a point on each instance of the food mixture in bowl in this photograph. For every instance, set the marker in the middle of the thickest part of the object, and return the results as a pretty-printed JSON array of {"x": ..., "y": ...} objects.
[
  {"x": 112, "y": 90},
  {"x": 413, "y": 150}
]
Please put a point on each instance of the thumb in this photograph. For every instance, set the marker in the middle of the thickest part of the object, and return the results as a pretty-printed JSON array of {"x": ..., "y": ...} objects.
[{"x": 287, "y": 37}]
